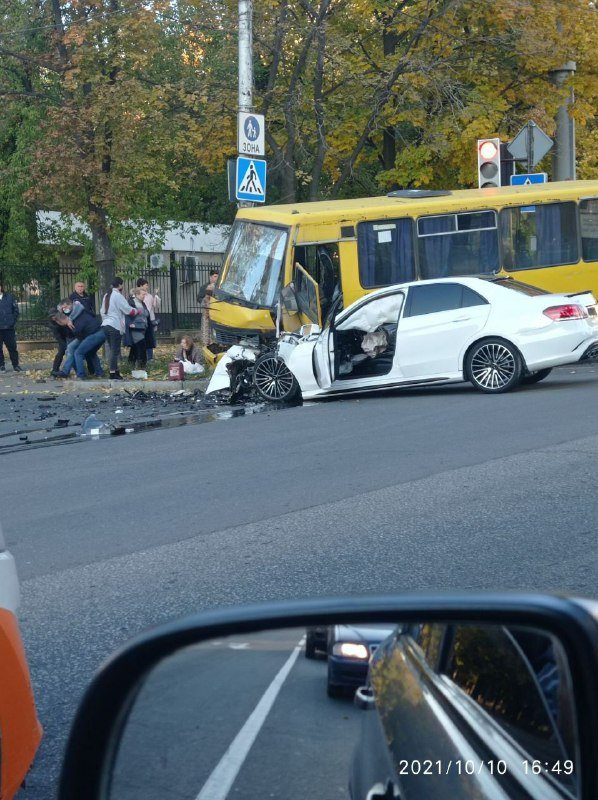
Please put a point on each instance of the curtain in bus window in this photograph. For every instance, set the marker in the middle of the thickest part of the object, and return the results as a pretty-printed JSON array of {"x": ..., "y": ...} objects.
[
  {"x": 539, "y": 235},
  {"x": 556, "y": 234},
  {"x": 588, "y": 219},
  {"x": 488, "y": 251},
  {"x": 548, "y": 231},
  {"x": 385, "y": 252},
  {"x": 434, "y": 248}
]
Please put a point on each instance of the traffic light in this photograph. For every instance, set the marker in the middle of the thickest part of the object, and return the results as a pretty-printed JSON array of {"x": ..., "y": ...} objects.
[{"x": 488, "y": 163}]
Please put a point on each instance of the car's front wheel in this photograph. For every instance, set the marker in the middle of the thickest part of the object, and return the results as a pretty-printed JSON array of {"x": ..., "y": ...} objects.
[
  {"x": 493, "y": 366},
  {"x": 536, "y": 377},
  {"x": 273, "y": 379}
]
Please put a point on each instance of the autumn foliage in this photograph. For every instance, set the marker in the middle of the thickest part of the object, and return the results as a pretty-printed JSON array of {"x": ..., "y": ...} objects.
[{"x": 117, "y": 110}]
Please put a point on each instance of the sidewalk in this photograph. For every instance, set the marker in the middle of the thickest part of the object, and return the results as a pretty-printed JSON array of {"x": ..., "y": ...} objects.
[{"x": 36, "y": 378}]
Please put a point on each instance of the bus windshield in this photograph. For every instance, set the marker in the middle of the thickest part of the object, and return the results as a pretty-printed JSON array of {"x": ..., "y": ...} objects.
[{"x": 253, "y": 264}]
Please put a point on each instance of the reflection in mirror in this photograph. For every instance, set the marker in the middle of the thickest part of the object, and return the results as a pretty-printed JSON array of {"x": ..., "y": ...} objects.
[{"x": 444, "y": 711}]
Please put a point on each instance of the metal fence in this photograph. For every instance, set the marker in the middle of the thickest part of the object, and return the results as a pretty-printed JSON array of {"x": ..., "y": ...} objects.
[{"x": 38, "y": 289}]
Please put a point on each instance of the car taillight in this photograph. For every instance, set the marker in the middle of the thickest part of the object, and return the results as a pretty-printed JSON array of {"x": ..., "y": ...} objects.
[{"x": 569, "y": 311}]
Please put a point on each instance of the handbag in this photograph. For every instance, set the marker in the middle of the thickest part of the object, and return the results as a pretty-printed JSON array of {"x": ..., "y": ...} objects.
[{"x": 176, "y": 371}]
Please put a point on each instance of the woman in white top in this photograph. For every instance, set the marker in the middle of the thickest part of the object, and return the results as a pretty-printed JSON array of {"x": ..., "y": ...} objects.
[{"x": 114, "y": 310}]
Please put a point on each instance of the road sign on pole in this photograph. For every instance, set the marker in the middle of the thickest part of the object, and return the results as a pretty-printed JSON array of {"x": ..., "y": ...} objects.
[
  {"x": 250, "y": 134},
  {"x": 251, "y": 179},
  {"x": 531, "y": 145},
  {"x": 526, "y": 179}
]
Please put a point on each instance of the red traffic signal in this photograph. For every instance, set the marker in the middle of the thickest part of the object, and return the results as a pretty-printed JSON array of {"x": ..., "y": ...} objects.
[{"x": 488, "y": 163}]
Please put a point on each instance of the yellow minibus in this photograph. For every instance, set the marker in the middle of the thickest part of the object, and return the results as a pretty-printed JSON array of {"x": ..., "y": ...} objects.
[{"x": 542, "y": 234}]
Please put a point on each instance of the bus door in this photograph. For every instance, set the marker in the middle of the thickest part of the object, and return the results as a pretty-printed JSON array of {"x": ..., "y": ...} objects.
[
  {"x": 322, "y": 262},
  {"x": 301, "y": 301}
]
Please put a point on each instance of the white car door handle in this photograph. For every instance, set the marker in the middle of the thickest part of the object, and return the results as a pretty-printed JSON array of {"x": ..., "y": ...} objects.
[{"x": 461, "y": 319}]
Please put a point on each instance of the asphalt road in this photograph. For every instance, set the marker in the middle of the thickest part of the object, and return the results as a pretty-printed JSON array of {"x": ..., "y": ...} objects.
[
  {"x": 209, "y": 698},
  {"x": 428, "y": 489}
]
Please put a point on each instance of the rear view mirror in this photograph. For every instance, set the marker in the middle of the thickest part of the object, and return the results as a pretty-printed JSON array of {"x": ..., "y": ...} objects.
[{"x": 463, "y": 701}]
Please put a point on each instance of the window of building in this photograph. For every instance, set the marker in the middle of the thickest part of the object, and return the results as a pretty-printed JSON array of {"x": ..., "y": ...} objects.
[
  {"x": 431, "y": 298},
  {"x": 539, "y": 236},
  {"x": 588, "y": 224},
  {"x": 458, "y": 244},
  {"x": 386, "y": 253}
]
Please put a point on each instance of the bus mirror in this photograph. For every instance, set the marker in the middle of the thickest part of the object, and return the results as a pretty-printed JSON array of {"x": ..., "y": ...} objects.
[{"x": 289, "y": 301}]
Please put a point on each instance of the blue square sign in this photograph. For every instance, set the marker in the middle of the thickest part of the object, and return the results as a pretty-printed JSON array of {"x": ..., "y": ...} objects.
[
  {"x": 251, "y": 179},
  {"x": 528, "y": 179}
]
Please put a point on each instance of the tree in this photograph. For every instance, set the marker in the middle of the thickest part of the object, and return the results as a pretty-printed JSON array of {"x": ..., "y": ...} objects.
[{"x": 118, "y": 124}]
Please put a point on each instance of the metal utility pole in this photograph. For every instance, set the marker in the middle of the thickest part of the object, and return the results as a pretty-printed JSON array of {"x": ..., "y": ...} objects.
[
  {"x": 245, "y": 63},
  {"x": 245, "y": 55},
  {"x": 563, "y": 161}
]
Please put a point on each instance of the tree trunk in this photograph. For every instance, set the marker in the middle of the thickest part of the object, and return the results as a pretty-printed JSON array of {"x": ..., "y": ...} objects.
[
  {"x": 103, "y": 254},
  {"x": 389, "y": 145}
]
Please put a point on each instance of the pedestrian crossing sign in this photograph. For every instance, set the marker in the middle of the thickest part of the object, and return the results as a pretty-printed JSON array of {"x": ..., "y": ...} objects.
[{"x": 251, "y": 179}]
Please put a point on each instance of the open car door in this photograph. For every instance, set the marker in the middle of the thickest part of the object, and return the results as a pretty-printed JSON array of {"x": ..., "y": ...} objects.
[
  {"x": 300, "y": 301},
  {"x": 323, "y": 358}
]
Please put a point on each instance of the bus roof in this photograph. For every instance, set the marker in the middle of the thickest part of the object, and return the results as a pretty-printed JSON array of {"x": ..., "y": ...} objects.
[{"x": 385, "y": 206}]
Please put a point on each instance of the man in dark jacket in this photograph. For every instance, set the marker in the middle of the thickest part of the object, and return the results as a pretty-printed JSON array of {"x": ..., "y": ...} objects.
[
  {"x": 63, "y": 335},
  {"x": 9, "y": 311},
  {"x": 212, "y": 278},
  {"x": 88, "y": 330},
  {"x": 80, "y": 296}
]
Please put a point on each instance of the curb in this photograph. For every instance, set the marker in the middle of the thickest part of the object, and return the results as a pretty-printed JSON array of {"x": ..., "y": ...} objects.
[{"x": 152, "y": 386}]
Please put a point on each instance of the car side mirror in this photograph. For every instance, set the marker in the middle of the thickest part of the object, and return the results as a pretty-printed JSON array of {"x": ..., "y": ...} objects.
[{"x": 253, "y": 699}]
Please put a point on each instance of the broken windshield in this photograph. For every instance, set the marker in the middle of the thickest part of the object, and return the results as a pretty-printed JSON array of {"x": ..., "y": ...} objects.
[{"x": 253, "y": 264}]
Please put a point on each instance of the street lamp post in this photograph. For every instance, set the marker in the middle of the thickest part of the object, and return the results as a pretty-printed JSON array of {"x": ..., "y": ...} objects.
[
  {"x": 245, "y": 62},
  {"x": 563, "y": 162}
]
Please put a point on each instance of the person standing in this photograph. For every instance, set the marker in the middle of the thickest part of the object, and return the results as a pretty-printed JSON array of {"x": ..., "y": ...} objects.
[
  {"x": 9, "y": 312},
  {"x": 80, "y": 296},
  {"x": 136, "y": 330},
  {"x": 152, "y": 303},
  {"x": 115, "y": 310},
  {"x": 204, "y": 297},
  {"x": 212, "y": 278}
]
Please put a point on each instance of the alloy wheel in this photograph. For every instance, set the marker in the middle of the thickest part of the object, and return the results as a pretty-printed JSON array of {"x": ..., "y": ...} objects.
[
  {"x": 273, "y": 379},
  {"x": 493, "y": 366}
]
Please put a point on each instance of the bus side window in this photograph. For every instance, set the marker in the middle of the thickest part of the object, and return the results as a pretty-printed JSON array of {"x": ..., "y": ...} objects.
[
  {"x": 386, "y": 253},
  {"x": 588, "y": 222},
  {"x": 542, "y": 235},
  {"x": 458, "y": 244}
]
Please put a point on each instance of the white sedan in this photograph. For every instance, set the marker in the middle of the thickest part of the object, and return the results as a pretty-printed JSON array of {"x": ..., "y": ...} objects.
[{"x": 494, "y": 332}]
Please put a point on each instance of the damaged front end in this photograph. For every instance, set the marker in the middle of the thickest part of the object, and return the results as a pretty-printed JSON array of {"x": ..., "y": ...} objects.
[
  {"x": 232, "y": 378},
  {"x": 248, "y": 373}
]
